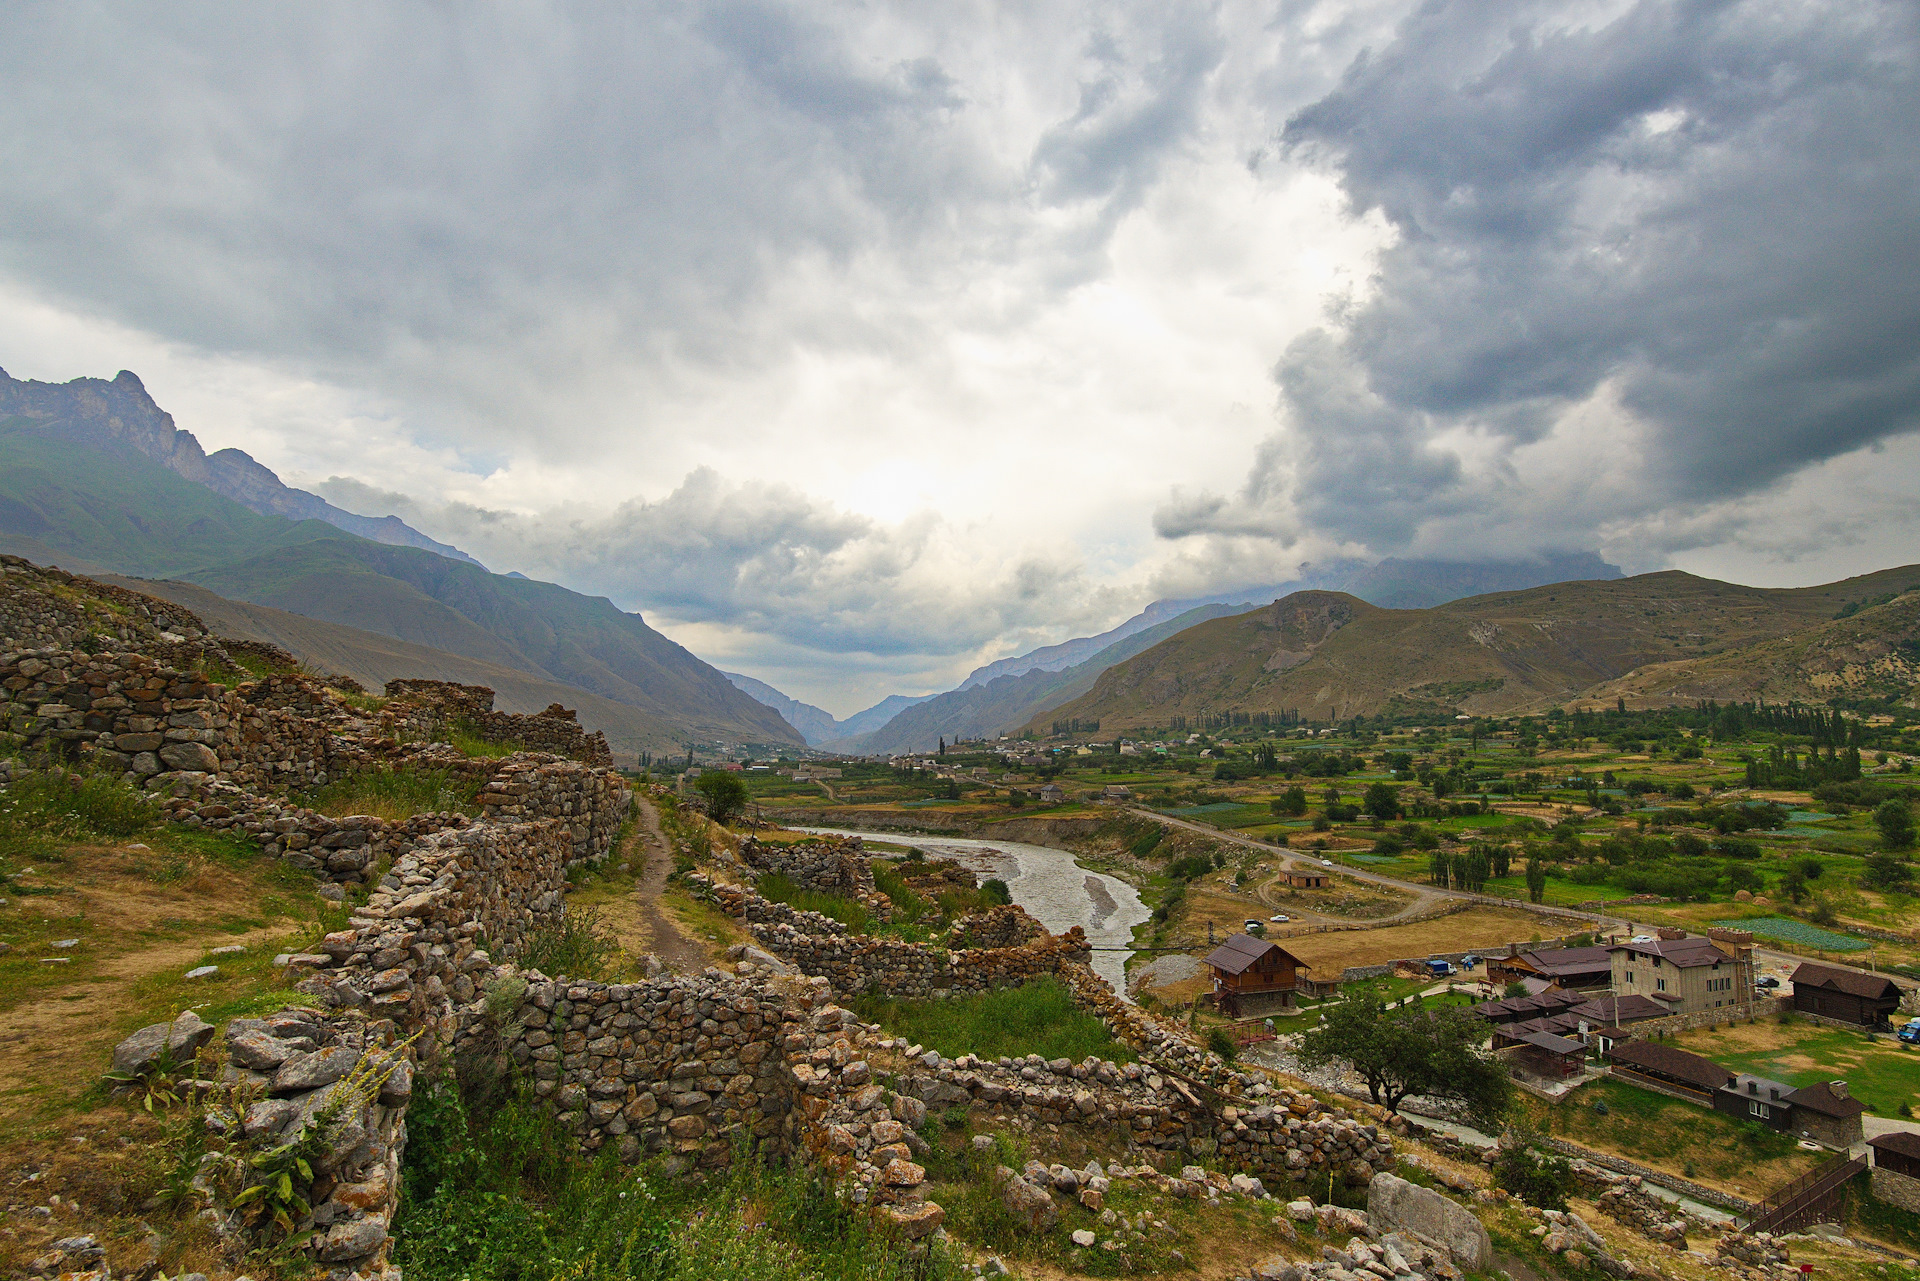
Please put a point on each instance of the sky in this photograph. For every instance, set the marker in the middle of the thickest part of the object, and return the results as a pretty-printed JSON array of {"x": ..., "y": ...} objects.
[{"x": 858, "y": 345}]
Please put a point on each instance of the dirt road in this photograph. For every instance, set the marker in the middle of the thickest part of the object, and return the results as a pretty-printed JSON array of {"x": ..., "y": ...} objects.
[{"x": 679, "y": 953}]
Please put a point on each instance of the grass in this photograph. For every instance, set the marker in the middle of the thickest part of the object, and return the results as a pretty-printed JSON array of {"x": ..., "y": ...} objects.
[
  {"x": 496, "y": 1192},
  {"x": 469, "y": 741},
  {"x": 1882, "y": 1074},
  {"x": 395, "y": 794},
  {"x": 578, "y": 946},
  {"x": 777, "y": 887},
  {"x": 1037, "y": 1018},
  {"x": 1668, "y": 1134}
]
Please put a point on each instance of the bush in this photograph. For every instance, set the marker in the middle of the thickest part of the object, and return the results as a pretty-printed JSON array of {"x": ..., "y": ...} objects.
[
  {"x": 1220, "y": 1043},
  {"x": 579, "y": 946},
  {"x": 995, "y": 891},
  {"x": 1539, "y": 1180}
]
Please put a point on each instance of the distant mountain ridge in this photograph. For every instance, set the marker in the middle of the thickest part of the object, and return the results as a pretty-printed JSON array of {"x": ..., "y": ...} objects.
[
  {"x": 1003, "y": 704},
  {"x": 89, "y": 492},
  {"x": 1331, "y": 655},
  {"x": 95, "y": 411},
  {"x": 815, "y": 724}
]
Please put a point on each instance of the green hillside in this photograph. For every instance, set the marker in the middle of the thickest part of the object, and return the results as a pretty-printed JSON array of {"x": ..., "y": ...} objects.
[
  {"x": 103, "y": 504},
  {"x": 1332, "y": 656},
  {"x": 112, "y": 506}
]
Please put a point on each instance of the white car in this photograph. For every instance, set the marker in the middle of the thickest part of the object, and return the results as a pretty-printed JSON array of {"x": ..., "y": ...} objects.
[
  {"x": 1283, "y": 918},
  {"x": 1253, "y": 925},
  {"x": 1326, "y": 862}
]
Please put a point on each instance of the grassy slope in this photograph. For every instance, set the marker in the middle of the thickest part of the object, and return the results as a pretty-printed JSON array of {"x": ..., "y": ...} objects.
[
  {"x": 115, "y": 507},
  {"x": 1851, "y": 656},
  {"x": 1331, "y": 655},
  {"x": 581, "y": 640},
  {"x": 373, "y": 659},
  {"x": 120, "y": 509}
]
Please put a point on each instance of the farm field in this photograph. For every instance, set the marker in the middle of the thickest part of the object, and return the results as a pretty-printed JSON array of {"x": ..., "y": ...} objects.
[{"x": 1883, "y": 1074}]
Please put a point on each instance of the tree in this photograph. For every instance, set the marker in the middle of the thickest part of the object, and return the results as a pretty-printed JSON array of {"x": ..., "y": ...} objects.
[
  {"x": 1886, "y": 871},
  {"x": 1515, "y": 988},
  {"x": 1536, "y": 880},
  {"x": 942, "y": 749},
  {"x": 995, "y": 891},
  {"x": 1502, "y": 860},
  {"x": 1894, "y": 818},
  {"x": 1382, "y": 801},
  {"x": 726, "y": 795},
  {"x": 1431, "y": 1052},
  {"x": 1437, "y": 868}
]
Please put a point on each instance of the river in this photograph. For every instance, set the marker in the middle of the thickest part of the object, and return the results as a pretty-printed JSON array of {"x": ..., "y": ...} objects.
[{"x": 1049, "y": 884}]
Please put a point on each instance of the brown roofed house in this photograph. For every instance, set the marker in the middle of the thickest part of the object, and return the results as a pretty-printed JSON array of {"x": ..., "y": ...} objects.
[
  {"x": 1649, "y": 1063},
  {"x": 1684, "y": 974},
  {"x": 1254, "y": 976},
  {"x": 1848, "y": 995},
  {"x": 1827, "y": 1113}
]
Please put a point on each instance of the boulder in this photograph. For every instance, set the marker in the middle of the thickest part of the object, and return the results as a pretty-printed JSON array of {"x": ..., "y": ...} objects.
[
  {"x": 1032, "y": 1208},
  {"x": 178, "y": 1041},
  {"x": 915, "y": 1220},
  {"x": 1395, "y": 1205},
  {"x": 190, "y": 757},
  {"x": 311, "y": 1071}
]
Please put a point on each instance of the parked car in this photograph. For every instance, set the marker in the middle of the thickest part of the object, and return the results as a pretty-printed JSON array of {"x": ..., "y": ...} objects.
[
  {"x": 1281, "y": 917},
  {"x": 1253, "y": 925},
  {"x": 1910, "y": 1032},
  {"x": 1468, "y": 961},
  {"x": 1326, "y": 862},
  {"x": 1767, "y": 981}
]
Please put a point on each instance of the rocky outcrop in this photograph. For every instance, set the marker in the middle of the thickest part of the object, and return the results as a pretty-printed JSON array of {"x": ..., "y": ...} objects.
[{"x": 1395, "y": 1205}]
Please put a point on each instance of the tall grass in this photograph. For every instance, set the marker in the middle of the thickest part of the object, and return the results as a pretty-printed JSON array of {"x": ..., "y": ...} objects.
[
  {"x": 43, "y": 810},
  {"x": 497, "y": 1192},
  {"x": 580, "y": 946},
  {"x": 1037, "y": 1018},
  {"x": 907, "y": 902},
  {"x": 469, "y": 741},
  {"x": 395, "y": 794},
  {"x": 778, "y": 887}
]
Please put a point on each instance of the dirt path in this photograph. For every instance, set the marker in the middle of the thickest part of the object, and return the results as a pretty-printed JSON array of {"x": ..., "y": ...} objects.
[{"x": 680, "y": 953}]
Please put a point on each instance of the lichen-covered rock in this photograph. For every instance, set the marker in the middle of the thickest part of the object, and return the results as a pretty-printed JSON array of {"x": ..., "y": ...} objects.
[
  {"x": 176, "y": 1042},
  {"x": 1395, "y": 1205}
]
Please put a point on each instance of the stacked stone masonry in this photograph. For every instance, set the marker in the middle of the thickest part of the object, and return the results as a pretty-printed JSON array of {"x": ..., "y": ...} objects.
[
  {"x": 429, "y": 709},
  {"x": 831, "y": 865}
]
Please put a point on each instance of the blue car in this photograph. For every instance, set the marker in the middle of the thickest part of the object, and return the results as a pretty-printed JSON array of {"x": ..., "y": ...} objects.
[{"x": 1910, "y": 1032}]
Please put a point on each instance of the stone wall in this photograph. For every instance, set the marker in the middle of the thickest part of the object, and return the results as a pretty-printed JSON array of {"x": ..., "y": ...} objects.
[
  {"x": 1744, "y": 1012},
  {"x": 591, "y": 802},
  {"x": 1902, "y": 1190},
  {"x": 429, "y": 708},
  {"x": 1006, "y": 926},
  {"x": 678, "y": 1065},
  {"x": 130, "y": 714},
  {"x": 831, "y": 865}
]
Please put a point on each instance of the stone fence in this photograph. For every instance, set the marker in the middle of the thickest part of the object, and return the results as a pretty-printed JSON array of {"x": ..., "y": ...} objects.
[
  {"x": 831, "y": 865},
  {"x": 1743, "y": 1012},
  {"x": 429, "y": 708}
]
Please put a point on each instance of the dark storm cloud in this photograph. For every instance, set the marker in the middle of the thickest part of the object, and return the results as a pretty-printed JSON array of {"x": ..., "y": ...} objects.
[{"x": 1714, "y": 206}]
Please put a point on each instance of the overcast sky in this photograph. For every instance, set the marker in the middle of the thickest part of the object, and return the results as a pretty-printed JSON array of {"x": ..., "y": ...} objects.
[{"x": 856, "y": 345}]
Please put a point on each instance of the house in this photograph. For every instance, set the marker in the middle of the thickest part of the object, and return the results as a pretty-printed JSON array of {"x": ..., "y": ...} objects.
[
  {"x": 1668, "y": 1070},
  {"x": 1544, "y": 1054},
  {"x": 1896, "y": 1169},
  {"x": 1747, "y": 1097},
  {"x": 1828, "y": 1114},
  {"x": 1556, "y": 1012},
  {"x": 1254, "y": 976},
  {"x": 1051, "y": 794},
  {"x": 1304, "y": 878},
  {"x": 1848, "y": 995},
  {"x": 1116, "y": 792},
  {"x": 1685, "y": 973},
  {"x": 1586, "y": 968}
]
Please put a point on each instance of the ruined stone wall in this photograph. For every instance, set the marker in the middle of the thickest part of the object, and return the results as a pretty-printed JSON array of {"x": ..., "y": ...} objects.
[
  {"x": 831, "y": 865},
  {"x": 678, "y": 1065},
  {"x": 130, "y": 714},
  {"x": 428, "y": 708},
  {"x": 44, "y": 608},
  {"x": 1005, "y": 926},
  {"x": 591, "y": 802}
]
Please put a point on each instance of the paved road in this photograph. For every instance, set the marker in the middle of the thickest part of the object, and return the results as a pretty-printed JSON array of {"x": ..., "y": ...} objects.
[{"x": 1431, "y": 896}]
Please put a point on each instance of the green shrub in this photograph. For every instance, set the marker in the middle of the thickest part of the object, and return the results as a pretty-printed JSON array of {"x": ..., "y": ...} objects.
[
  {"x": 1220, "y": 1043},
  {"x": 996, "y": 893},
  {"x": 579, "y": 945},
  {"x": 1537, "y": 1179},
  {"x": 494, "y": 1191}
]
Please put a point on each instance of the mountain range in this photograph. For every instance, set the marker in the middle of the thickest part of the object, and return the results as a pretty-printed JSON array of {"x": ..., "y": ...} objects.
[
  {"x": 96, "y": 477},
  {"x": 1653, "y": 639}
]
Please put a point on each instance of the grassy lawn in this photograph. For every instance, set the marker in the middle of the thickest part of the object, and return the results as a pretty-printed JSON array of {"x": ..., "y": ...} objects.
[
  {"x": 1882, "y": 1074},
  {"x": 1038, "y": 1018},
  {"x": 1681, "y": 1138}
]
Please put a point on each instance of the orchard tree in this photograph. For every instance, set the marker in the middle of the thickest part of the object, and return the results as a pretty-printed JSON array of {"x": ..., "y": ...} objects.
[
  {"x": 1536, "y": 879},
  {"x": 1382, "y": 801},
  {"x": 1894, "y": 818},
  {"x": 725, "y": 794},
  {"x": 1434, "y": 1052}
]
